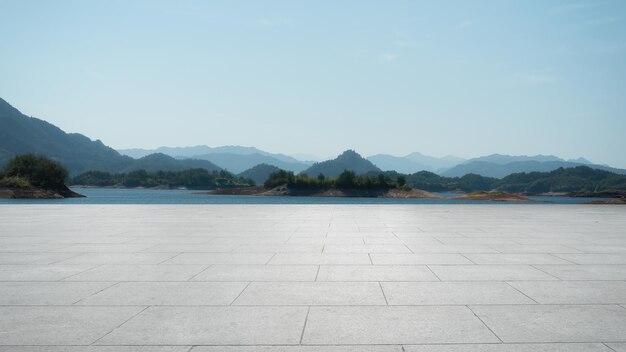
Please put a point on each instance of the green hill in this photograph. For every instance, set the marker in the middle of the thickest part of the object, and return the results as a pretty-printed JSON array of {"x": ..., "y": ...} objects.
[
  {"x": 21, "y": 134},
  {"x": 348, "y": 160},
  {"x": 259, "y": 174}
]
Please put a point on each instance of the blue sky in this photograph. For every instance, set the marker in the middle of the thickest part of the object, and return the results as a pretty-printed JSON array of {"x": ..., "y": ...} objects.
[{"x": 444, "y": 77}]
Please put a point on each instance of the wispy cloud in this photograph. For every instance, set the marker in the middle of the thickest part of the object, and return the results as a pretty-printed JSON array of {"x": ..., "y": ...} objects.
[
  {"x": 265, "y": 22},
  {"x": 390, "y": 57},
  {"x": 571, "y": 7},
  {"x": 602, "y": 21},
  {"x": 534, "y": 78},
  {"x": 468, "y": 23},
  {"x": 270, "y": 21},
  {"x": 403, "y": 40}
]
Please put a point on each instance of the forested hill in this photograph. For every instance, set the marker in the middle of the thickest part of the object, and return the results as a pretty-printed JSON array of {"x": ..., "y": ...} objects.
[
  {"x": 348, "y": 160},
  {"x": 576, "y": 179},
  {"x": 21, "y": 134}
]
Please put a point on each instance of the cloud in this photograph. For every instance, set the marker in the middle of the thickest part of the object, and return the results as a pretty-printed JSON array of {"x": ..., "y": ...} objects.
[
  {"x": 534, "y": 78},
  {"x": 403, "y": 40},
  {"x": 270, "y": 21},
  {"x": 602, "y": 21},
  {"x": 466, "y": 24},
  {"x": 570, "y": 8},
  {"x": 265, "y": 22},
  {"x": 390, "y": 57}
]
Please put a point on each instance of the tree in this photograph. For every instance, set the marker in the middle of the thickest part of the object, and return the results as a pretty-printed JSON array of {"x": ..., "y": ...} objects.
[
  {"x": 401, "y": 181},
  {"x": 38, "y": 170}
]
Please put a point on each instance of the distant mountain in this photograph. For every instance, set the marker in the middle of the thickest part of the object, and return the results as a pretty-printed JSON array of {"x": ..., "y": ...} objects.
[
  {"x": 414, "y": 162},
  {"x": 435, "y": 163},
  {"x": 348, "y": 160},
  {"x": 171, "y": 151},
  {"x": 194, "y": 151},
  {"x": 580, "y": 161},
  {"x": 232, "y": 158},
  {"x": 397, "y": 163},
  {"x": 259, "y": 173},
  {"x": 162, "y": 162},
  {"x": 491, "y": 169},
  {"x": 502, "y": 159},
  {"x": 306, "y": 157},
  {"x": 237, "y": 163},
  {"x": 22, "y": 134}
]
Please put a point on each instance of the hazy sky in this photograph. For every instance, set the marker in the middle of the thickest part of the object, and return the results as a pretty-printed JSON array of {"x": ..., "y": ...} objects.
[{"x": 444, "y": 77}]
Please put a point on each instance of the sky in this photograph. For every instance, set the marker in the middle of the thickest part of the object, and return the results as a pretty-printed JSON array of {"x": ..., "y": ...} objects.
[{"x": 466, "y": 78}]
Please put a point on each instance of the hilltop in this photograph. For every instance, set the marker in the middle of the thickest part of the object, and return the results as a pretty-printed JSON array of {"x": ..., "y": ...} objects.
[
  {"x": 23, "y": 134},
  {"x": 348, "y": 160}
]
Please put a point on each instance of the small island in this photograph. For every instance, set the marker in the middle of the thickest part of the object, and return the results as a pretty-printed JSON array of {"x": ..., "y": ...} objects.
[
  {"x": 347, "y": 184},
  {"x": 493, "y": 196},
  {"x": 34, "y": 177}
]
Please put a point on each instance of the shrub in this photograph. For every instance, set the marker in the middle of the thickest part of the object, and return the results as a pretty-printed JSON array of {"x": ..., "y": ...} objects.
[{"x": 38, "y": 170}]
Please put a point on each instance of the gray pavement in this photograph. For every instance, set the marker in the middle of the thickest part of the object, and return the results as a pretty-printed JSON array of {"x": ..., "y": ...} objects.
[{"x": 313, "y": 278}]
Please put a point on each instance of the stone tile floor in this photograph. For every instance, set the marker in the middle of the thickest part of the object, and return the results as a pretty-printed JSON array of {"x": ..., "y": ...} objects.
[{"x": 313, "y": 278}]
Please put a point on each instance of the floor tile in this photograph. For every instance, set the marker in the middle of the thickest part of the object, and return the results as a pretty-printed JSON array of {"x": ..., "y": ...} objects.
[
  {"x": 488, "y": 272},
  {"x": 60, "y": 325},
  {"x": 311, "y": 293},
  {"x": 375, "y": 273},
  {"x": 258, "y": 273},
  {"x": 555, "y": 323},
  {"x": 211, "y": 326},
  {"x": 167, "y": 293},
  {"x": 452, "y": 293},
  {"x": 393, "y": 325}
]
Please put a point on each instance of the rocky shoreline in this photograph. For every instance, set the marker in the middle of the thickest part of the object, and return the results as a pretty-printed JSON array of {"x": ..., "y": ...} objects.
[
  {"x": 36, "y": 193},
  {"x": 494, "y": 196},
  {"x": 285, "y": 191}
]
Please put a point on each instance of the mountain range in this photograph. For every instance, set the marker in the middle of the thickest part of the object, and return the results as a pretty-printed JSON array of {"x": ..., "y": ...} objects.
[
  {"x": 233, "y": 158},
  {"x": 499, "y": 166},
  {"x": 23, "y": 134},
  {"x": 348, "y": 160},
  {"x": 414, "y": 162}
]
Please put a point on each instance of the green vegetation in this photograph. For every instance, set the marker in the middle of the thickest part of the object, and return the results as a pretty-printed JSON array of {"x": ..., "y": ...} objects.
[
  {"x": 28, "y": 170},
  {"x": 348, "y": 160},
  {"x": 259, "y": 173},
  {"x": 574, "y": 179},
  {"x": 345, "y": 180},
  {"x": 21, "y": 134},
  {"x": 191, "y": 179},
  {"x": 577, "y": 179},
  {"x": 580, "y": 178}
]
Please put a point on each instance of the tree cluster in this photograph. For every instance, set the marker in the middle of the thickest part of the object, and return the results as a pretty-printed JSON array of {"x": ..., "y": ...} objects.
[
  {"x": 346, "y": 180},
  {"x": 29, "y": 169},
  {"x": 191, "y": 179}
]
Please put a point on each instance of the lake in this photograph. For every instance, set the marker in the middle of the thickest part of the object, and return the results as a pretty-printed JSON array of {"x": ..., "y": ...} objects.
[{"x": 151, "y": 196}]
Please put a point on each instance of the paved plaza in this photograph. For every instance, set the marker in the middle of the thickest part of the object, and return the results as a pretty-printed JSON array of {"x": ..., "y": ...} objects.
[{"x": 313, "y": 278}]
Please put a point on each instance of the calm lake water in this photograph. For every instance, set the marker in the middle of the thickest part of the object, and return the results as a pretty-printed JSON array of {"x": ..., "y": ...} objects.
[{"x": 149, "y": 196}]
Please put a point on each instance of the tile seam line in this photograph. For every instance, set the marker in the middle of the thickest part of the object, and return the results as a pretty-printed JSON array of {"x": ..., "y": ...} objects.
[
  {"x": 82, "y": 272},
  {"x": 431, "y": 270},
  {"x": 485, "y": 324},
  {"x": 198, "y": 273},
  {"x": 306, "y": 319},
  {"x": 95, "y": 293},
  {"x": 117, "y": 327},
  {"x": 240, "y": 293},
  {"x": 520, "y": 291},
  {"x": 383, "y": 292},
  {"x": 554, "y": 276},
  {"x": 172, "y": 257},
  {"x": 60, "y": 262},
  {"x": 328, "y": 345}
]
